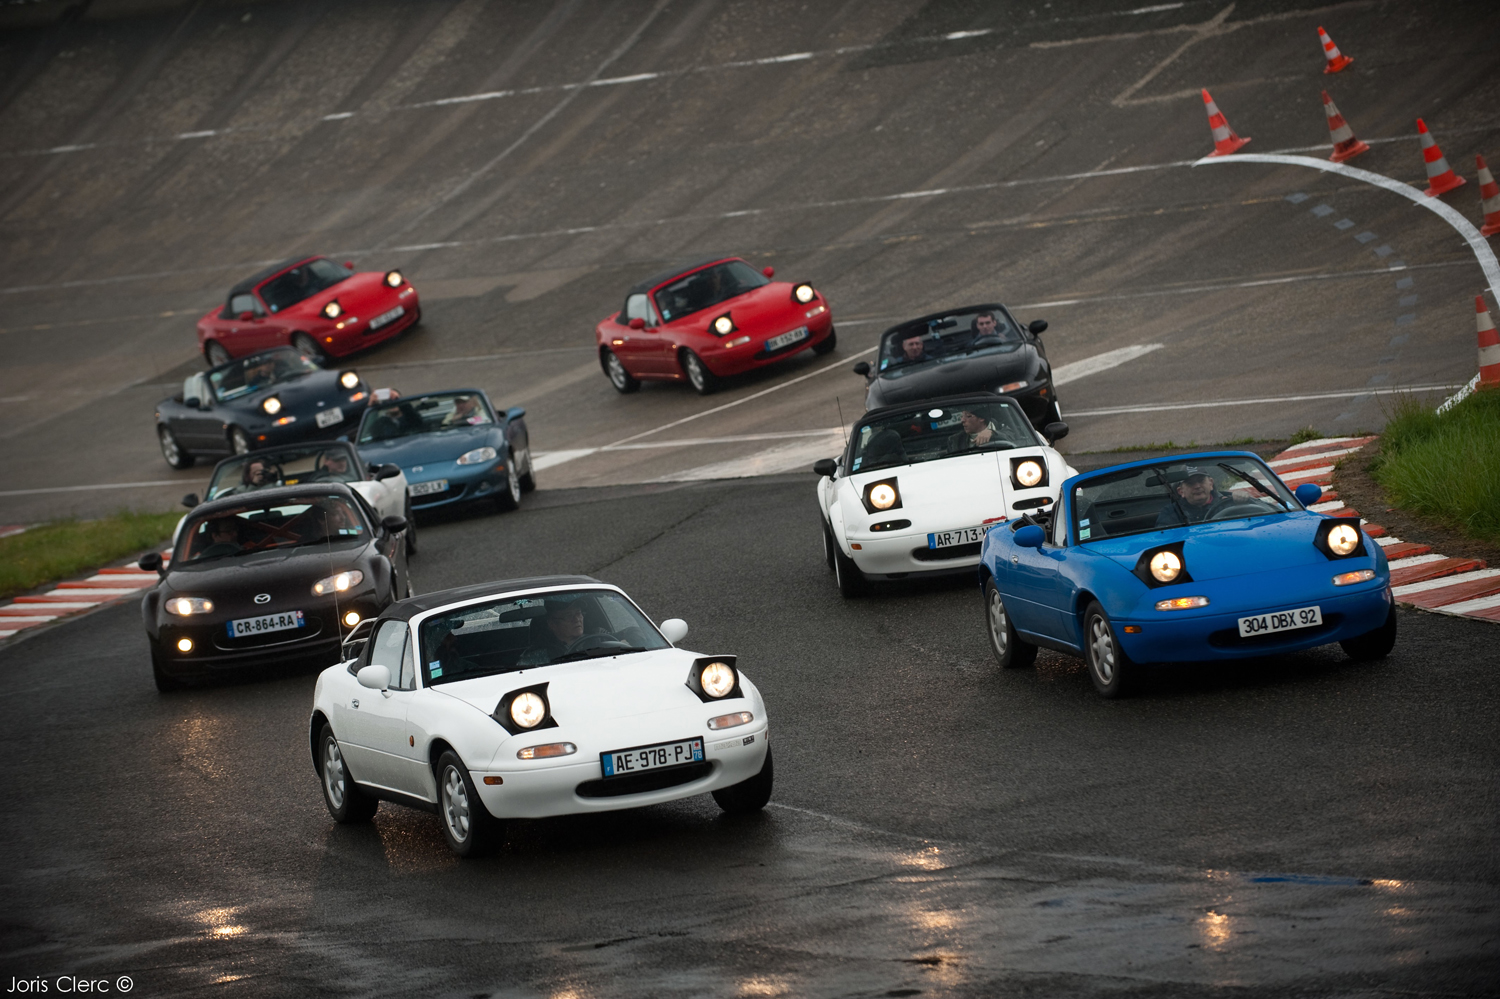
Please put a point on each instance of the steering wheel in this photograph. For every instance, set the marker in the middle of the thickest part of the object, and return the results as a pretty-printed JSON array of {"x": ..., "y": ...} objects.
[
  {"x": 607, "y": 641},
  {"x": 1244, "y": 508}
]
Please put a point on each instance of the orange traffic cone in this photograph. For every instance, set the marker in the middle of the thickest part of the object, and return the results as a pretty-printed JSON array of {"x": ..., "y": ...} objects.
[
  {"x": 1489, "y": 345},
  {"x": 1336, "y": 59},
  {"x": 1440, "y": 176},
  {"x": 1225, "y": 141},
  {"x": 1345, "y": 145},
  {"x": 1489, "y": 199}
]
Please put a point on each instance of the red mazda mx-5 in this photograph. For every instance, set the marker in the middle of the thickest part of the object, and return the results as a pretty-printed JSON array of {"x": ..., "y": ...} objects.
[
  {"x": 313, "y": 304},
  {"x": 709, "y": 320}
]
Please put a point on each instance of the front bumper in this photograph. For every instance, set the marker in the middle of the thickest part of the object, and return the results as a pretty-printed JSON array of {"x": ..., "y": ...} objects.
[
  {"x": 214, "y": 652},
  {"x": 352, "y": 339},
  {"x": 465, "y": 483},
  {"x": 747, "y": 357},
  {"x": 307, "y": 429}
]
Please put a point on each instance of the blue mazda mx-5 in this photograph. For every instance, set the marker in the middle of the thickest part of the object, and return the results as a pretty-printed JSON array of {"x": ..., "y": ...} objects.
[
  {"x": 453, "y": 446},
  {"x": 1199, "y": 557}
]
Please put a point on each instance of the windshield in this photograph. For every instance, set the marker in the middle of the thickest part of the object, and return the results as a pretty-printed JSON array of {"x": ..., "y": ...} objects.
[
  {"x": 425, "y": 414},
  {"x": 285, "y": 467},
  {"x": 931, "y": 432},
  {"x": 959, "y": 334},
  {"x": 260, "y": 371},
  {"x": 515, "y": 632},
  {"x": 707, "y": 287},
  {"x": 307, "y": 279},
  {"x": 1155, "y": 497},
  {"x": 258, "y": 527}
]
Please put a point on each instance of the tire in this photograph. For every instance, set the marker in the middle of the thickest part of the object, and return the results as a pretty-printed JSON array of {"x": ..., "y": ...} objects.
[
  {"x": 826, "y": 346},
  {"x": 614, "y": 369},
  {"x": 1010, "y": 652},
  {"x": 347, "y": 802},
  {"x": 748, "y": 795},
  {"x": 164, "y": 684},
  {"x": 215, "y": 353},
  {"x": 411, "y": 530},
  {"x": 171, "y": 450},
  {"x": 467, "y": 825},
  {"x": 308, "y": 346},
  {"x": 851, "y": 580},
  {"x": 528, "y": 477},
  {"x": 239, "y": 441},
  {"x": 704, "y": 381},
  {"x": 1109, "y": 667},
  {"x": 1373, "y": 645},
  {"x": 509, "y": 498},
  {"x": 828, "y": 546}
]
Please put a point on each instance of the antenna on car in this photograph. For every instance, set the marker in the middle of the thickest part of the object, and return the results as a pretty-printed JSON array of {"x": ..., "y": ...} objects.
[{"x": 842, "y": 429}]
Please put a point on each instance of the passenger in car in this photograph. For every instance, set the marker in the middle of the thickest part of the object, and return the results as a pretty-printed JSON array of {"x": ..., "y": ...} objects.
[{"x": 1199, "y": 499}]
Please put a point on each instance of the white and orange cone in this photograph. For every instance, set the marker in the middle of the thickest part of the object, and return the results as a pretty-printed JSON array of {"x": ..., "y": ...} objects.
[
  {"x": 1440, "y": 176},
  {"x": 1489, "y": 199},
  {"x": 1225, "y": 141},
  {"x": 1345, "y": 145},
  {"x": 1489, "y": 345},
  {"x": 1336, "y": 59}
]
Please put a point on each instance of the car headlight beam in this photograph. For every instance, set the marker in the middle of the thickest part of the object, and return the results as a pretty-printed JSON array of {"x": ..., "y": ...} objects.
[
  {"x": 1165, "y": 566},
  {"x": 717, "y": 679},
  {"x": 882, "y": 495},
  {"x": 333, "y": 310},
  {"x": 724, "y": 325},
  {"x": 349, "y": 379},
  {"x": 804, "y": 293},
  {"x": 1030, "y": 473},
  {"x": 339, "y": 582},
  {"x": 478, "y": 456},
  {"x": 188, "y": 606},
  {"x": 394, "y": 279},
  {"x": 528, "y": 710},
  {"x": 271, "y": 405},
  {"x": 1343, "y": 539}
]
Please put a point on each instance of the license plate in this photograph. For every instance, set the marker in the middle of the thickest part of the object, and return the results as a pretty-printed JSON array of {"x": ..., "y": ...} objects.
[
  {"x": 425, "y": 488},
  {"x": 1265, "y": 624},
  {"x": 387, "y": 316},
  {"x": 962, "y": 536},
  {"x": 787, "y": 339},
  {"x": 285, "y": 621},
  {"x": 620, "y": 762},
  {"x": 328, "y": 417}
]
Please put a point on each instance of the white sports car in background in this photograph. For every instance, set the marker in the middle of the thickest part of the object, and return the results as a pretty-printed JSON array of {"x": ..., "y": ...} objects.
[
  {"x": 920, "y": 484},
  {"x": 530, "y": 698}
]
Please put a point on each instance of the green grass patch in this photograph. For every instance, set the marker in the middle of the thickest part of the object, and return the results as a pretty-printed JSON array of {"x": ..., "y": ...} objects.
[
  {"x": 1446, "y": 467},
  {"x": 65, "y": 548},
  {"x": 1306, "y": 434}
]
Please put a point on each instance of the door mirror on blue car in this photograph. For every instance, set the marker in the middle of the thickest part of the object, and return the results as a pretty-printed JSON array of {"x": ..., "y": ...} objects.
[
  {"x": 1030, "y": 536},
  {"x": 1308, "y": 493}
]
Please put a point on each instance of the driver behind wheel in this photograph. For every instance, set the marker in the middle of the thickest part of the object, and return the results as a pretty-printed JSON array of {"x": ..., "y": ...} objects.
[
  {"x": 561, "y": 627},
  {"x": 1198, "y": 498},
  {"x": 975, "y": 430}
]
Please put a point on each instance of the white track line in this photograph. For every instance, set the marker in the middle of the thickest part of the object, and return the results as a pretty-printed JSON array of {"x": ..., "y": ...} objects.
[
  {"x": 1074, "y": 370},
  {"x": 98, "y": 485},
  {"x": 1163, "y": 407}
]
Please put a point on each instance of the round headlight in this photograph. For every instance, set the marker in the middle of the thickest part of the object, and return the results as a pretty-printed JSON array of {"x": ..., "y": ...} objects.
[
  {"x": 1165, "y": 566},
  {"x": 333, "y": 309},
  {"x": 804, "y": 293},
  {"x": 528, "y": 710},
  {"x": 394, "y": 279},
  {"x": 717, "y": 679},
  {"x": 349, "y": 379},
  {"x": 1343, "y": 539},
  {"x": 271, "y": 405},
  {"x": 1029, "y": 473},
  {"x": 184, "y": 645},
  {"x": 883, "y": 496},
  {"x": 723, "y": 326},
  {"x": 351, "y": 619}
]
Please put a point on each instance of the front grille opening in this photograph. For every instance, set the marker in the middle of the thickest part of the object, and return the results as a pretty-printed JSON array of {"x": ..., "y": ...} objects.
[
  {"x": 651, "y": 780},
  {"x": 944, "y": 554}
]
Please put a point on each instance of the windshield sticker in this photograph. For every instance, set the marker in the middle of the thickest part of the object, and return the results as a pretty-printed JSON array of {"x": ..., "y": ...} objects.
[
  {"x": 1085, "y": 532},
  {"x": 1084, "y": 522},
  {"x": 435, "y": 668},
  {"x": 856, "y": 464},
  {"x": 350, "y": 530}
]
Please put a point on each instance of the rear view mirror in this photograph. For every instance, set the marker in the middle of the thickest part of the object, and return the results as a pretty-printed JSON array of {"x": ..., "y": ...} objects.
[
  {"x": 862, "y": 368},
  {"x": 638, "y": 323},
  {"x": 1030, "y": 536},
  {"x": 769, "y": 272},
  {"x": 387, "y": 471},
  {"x": 825, "y": 466},
  {"x": 190, "y": 500},
  {"x": 1055, "y": 432},
  {"x": 374, "y": 676},
  {"x": 1308, "y": 493},
  {"x": 674, "y": 629},
  {"x": 1037, "y": 326},
  {"x": 150, "y": 562}
]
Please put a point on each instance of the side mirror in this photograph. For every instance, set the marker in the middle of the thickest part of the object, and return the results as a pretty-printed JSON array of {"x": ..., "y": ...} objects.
[
  {"x": 862, "y": 368},
  {"x": 393, "y": 524},
  {"x": 374, "y": 676},
  {"x": 192, "y": 402},
  {"x": 825, "y": 466},
  {"x": 674, "y": 629},
  {"x": 387, "y": 471},
  {"x": 638, "y": 323},
  {"x": 1055, "y": 432},
  {"x": 515, "y": 412},
  {"x": 150, "y": 562},
  {"x": 769, "y": 272},
  {"x": 1036, "y": 326},
  {"x": 1308, "y": 493},
  {"x": 190, "y": 500},
  {"x": 1030, "y": 536},
  {"x": 348, "y": 265}
]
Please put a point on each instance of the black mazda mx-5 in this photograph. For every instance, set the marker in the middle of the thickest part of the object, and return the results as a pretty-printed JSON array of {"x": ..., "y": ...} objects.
[
  {"x": 977, "y": 348},
  {"x": 278, "y": 396},
  {"x": 273, "y": 576}
]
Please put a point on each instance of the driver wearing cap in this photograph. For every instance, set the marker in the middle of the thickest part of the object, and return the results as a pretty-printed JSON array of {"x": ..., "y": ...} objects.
[
  {"x": 1198, "y": 499},
  {"x": 563, "y": 627}
]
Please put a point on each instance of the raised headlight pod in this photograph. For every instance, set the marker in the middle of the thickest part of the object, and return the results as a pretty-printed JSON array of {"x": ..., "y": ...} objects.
[
  {"x": 338, "y": 583},
  {"x": 1343, "y": 539},
  {"x": 1028, "y": 473},
  {"x": 1181, "y": 603},
  {"x": 731, "y": 721},
  {"x": 272, "y": 405},
  {"x": 525, "y": 710},
  {"x": 528, "y": 710},
  {"x": 349, "y": 379},
  {"x": 547, "y": 751},
  {"x": 477, "y": 456},
  {"x": 804, "y": 293},
  {"x": 333, "y": 310},
  {"x": 1162, "y": 566},
  {"x": 1165, "y": 566},
  {"x": 1340, "y": 537},
  {"x": 393, "y": 279},
  {"x": 188, "y": 606},
  {"x": 882, "y": 495},
  {"x": 714, "y": 678},
  {"x": 723, "y": 325},
  {"x": 1357, "y": 576}
]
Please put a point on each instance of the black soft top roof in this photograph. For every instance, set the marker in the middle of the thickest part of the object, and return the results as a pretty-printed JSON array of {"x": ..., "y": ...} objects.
[
  {"x": 641, "y": 287},
  {"x": 405, "y": 610},
  {"x": 268, "y": 496},
  {"x": 250, "y": 282},
  {"x": 945, "y": 401},
  {"x": 922, "y": 321}
]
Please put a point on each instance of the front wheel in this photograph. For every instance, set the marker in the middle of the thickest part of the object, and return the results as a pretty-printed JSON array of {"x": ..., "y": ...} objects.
[
  {"x": 1372, "y": 645},
  {"x": 347, "y": 802},
  {"x": 827, "y": 345},
  {"x": 829, "y": 547},
  {"x": 467, "y": 825},
  {"x": 850, "y": 579},
  {"x": 1109, "y": 666},
  {"x": 305, "y": 343},
  {"x": 1010, "y": 652},
  {"x": 510, "y": 496},
  {"x": 239, "y": 441},
  {"x": 215, "y": 353},
  {"x": 748, "y": 795},
  {"x": 411, "y": 531},
  {"x": 528, "y": 477},
  {"x": 622, "y": 380},
  {"x": 171, "y": 450},
  {"x": 704, "y": 381}
]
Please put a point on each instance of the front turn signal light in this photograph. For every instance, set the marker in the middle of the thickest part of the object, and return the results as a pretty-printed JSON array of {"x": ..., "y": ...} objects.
[
  {"x": 1181, "y": 603},
  {"x": 731, "y": 721},
  {"x": 545, "y": 752},
  {"x": 1357, "y": 576}
]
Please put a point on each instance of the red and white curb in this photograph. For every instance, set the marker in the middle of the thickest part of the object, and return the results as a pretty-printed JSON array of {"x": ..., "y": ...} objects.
[
  {"x": 74, "y": 597},
  {"x": 1463, "y": 587}
]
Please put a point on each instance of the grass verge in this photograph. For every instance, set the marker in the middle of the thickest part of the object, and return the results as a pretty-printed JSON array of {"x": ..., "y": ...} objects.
[
  {"x": 66, "y": 547},
  {"x": 1445, "y": 467}
]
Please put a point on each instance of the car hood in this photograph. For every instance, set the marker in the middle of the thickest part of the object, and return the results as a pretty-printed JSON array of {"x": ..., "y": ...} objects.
[
  {"x": 767, "y": 309},
  {"x": 232, "y": 583},
  {"x": 418, "y": 449},
  {"x": 1232, "y": 547},
  {"x": 362, "y": 296},
  {"x": 972, "y": 373},
  {"x": 593, "y": 690},
  {"x": 931, "y": 490},
  {"x": 304, "y": 395}
]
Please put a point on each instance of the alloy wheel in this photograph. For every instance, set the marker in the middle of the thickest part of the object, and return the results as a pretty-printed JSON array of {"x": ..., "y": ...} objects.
[
  {"x": 999, "y": 624},
  {"x": 695, "y": 372},
  {"x": 1102, "y": 647},
  {"x": 617, "y": 372},
  {"x": 169, "y": 448},
  {"x": 333, "y": 774},
  {"x": 456, "y": 805},
  {"x": 217, "y": 354},
  {"x": 239, "y": 441}
]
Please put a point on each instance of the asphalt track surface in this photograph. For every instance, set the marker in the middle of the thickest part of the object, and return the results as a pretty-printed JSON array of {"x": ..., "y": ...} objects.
[{"x": 1300, "y": 824}]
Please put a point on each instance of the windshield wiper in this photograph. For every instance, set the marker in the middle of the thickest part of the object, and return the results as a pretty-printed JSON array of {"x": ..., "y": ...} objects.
[
  {"x": 1253, "y": 484},
  {"x": 600, "y": 652}
]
